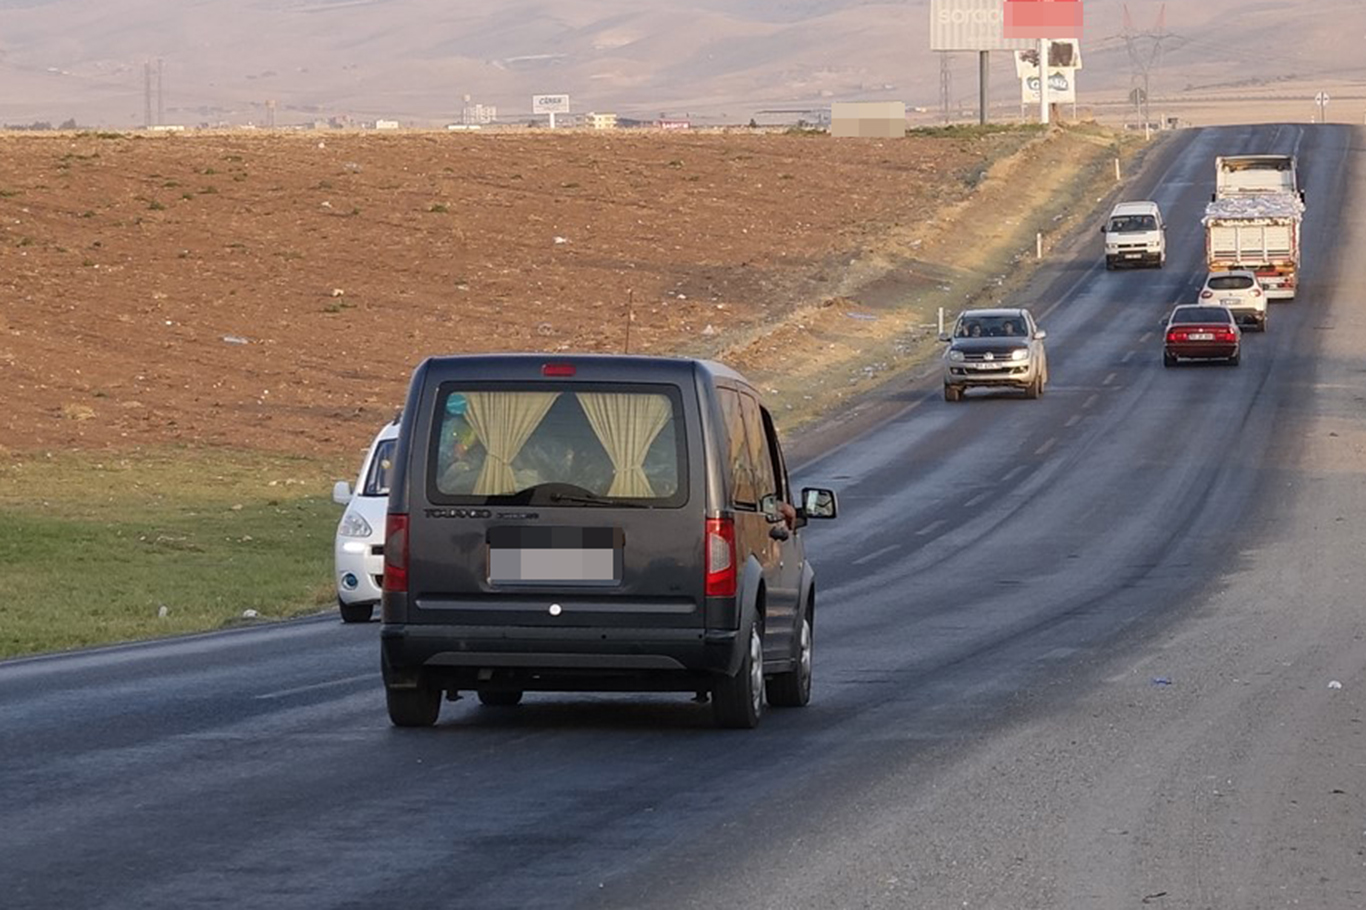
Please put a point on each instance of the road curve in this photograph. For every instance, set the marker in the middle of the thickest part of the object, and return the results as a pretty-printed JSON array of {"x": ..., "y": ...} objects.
[{"x": 1071, "y": 653}]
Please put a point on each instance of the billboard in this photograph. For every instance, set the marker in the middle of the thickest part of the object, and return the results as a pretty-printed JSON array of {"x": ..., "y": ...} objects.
[
  {"x": 1035, "y": 19},
  {"x": 971, "y": 25},
  {"x": 550, "y": 104},
  {"x": 877, "y": 119},
  {"x": 1064, "y": 59}
]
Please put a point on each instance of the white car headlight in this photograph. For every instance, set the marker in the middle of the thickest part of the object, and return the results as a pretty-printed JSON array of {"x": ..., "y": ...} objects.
[
  {"x": 353, "y": 525},
  {"x": 1020, "y": 354},
  {"x": 956, "y": 355}
]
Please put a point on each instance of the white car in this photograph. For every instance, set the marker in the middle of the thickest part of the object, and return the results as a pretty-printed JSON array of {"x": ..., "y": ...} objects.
[
  {"x": 1240, "y": 292},
  {"x": 359, "y": 547}
]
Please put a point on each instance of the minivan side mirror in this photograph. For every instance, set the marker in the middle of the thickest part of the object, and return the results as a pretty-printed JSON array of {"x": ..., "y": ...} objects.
[
  {"x": 341, "y": 493},
  {"x": 818, "y": 503},
  {"x": 768, "y": 505},
  {"x": 945, "y": 336}
]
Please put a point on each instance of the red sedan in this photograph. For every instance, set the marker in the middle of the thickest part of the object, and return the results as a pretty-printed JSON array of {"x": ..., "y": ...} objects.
[{"x": 1202, "y": 333}]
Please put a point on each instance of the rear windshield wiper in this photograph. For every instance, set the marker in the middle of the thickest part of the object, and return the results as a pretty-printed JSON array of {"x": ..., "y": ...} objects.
[{"x": 594, "y": 501}]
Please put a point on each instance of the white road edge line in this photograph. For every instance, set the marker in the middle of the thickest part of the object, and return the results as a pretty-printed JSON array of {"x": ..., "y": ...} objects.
[
  {"x": 875, "y": 554},
  {"x": 931, "y": 528},
  {"x": 285, "y": 693},
  {"x": 1046, "y": 446}
]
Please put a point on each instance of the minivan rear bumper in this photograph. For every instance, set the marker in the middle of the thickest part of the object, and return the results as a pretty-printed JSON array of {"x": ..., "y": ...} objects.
[{"x": 557, "y": 659}]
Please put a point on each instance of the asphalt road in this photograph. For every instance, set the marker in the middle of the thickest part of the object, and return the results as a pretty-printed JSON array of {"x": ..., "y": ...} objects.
[{"x": 1071, "y": 653}]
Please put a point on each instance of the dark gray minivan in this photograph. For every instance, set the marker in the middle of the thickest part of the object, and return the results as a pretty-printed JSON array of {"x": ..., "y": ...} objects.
[{"x": 593, "y": 523}]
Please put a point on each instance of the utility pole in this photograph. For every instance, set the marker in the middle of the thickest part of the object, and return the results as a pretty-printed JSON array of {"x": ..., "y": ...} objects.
[
  {"x": 147, "y": 94},
  {"x": 1145, "y": 56},
  {"x": 983, "y": 84},
  {"x": 945, "y": 85},
  {"x": 1045, "y": 51},
  {"x": 161, "y": 104}
]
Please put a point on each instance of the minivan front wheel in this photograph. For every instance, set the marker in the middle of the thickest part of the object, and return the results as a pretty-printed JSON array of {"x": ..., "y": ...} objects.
[
  {"x": 793, "y": 689},
  {"x": 738, "y": 701}
]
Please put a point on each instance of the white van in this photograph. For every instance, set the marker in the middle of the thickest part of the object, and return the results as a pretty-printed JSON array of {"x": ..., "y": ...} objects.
[
  {"x": 358, "y": 550},
  {"x": 1135, "y": 234}
]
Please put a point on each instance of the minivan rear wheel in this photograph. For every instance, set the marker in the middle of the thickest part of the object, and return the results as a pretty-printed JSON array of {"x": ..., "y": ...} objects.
[
  {"x": 793, "y": 689},
  {"x": 738, "y": 701},
  {"x": 417, "y": 707},
  {"x": 500, "y": 698}
]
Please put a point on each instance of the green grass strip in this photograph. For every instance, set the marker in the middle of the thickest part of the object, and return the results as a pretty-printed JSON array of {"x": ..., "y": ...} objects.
[{"x": 95, "y": 546}]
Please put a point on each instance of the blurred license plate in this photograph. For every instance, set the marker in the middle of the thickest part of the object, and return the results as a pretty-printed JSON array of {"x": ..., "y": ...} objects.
[
  {"x": 542, "y": 555},
  {"x": 1133, "y": 255},
  {"x": 1230, "y": 301},
  {"x": 1202, "y": 336},
  {"x": 986, "y": 366}
]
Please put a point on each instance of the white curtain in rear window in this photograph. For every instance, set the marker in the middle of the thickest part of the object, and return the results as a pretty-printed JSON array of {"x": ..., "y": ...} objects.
[
  {"x": 626, "y": 425},
  {"x": 504, "y": 422}
]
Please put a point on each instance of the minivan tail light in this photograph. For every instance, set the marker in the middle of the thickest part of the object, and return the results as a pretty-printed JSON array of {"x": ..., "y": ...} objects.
[
  {"x": 558, "y": 369},
  {"x": 396, "y": 553},
  {"x": 721, "y": 569}
]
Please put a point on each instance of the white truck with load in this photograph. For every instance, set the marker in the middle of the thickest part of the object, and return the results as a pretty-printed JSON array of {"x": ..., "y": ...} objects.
[
  {"x": 1259, "y": 232},
  {"x": 1240, "y": 176}
]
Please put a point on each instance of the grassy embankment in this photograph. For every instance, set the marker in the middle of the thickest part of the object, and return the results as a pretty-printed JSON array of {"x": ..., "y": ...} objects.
[{"x": 95, "y": 545}]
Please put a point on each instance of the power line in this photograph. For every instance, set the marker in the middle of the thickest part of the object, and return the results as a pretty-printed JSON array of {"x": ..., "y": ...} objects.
[{"x": 1145, "y": 49}]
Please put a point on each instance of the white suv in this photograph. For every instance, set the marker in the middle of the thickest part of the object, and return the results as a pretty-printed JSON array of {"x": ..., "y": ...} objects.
[
  {"x": 359, "y": 547},
  {"x": 1239, "y": 291}
]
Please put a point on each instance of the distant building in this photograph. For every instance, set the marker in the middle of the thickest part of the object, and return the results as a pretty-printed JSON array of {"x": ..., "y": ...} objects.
[
  {"x": 802, "y": 117},
  {"x": 478, "y": 114},
  {"x": 602, "y": 121},
  {"x": 673, "y": 124},
  {"x": 386, "y": 124}
]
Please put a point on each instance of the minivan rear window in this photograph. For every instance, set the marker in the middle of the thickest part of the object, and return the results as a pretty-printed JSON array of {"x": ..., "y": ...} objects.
[{"x": 574, "y": 444}]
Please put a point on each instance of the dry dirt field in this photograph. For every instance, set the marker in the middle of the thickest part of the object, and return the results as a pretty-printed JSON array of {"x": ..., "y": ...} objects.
[{"x": 273, "y": 291}]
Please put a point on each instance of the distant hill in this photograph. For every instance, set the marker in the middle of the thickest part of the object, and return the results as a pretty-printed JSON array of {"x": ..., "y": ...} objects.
[{"x": 716, "y": 60}]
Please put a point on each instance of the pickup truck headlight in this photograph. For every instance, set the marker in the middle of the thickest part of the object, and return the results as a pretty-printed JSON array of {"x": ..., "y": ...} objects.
[
  {"x": 1020, "y": 354},
  {"x": 353, "y": 525},
  {"x": 956, "y": 355}
]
